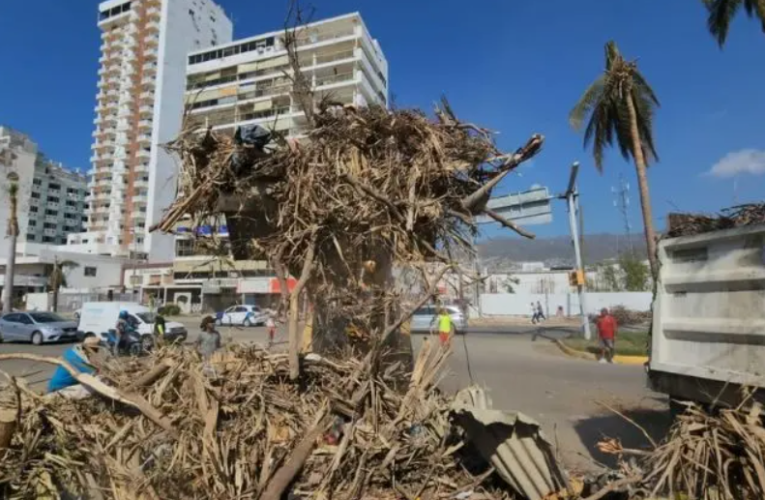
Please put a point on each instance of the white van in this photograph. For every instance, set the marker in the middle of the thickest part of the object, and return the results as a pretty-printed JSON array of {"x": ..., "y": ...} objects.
[{"x": 97, "y": 318}]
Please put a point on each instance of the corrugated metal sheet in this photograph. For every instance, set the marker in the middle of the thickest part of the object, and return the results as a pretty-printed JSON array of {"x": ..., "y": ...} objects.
[{"x": 512, "y": 442}]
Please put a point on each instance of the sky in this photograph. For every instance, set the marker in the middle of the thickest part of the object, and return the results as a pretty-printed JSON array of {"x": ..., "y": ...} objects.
[{"x": 516, "y": 67}]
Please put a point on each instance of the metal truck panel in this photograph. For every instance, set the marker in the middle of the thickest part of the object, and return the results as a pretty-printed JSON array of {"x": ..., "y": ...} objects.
[{"x": 709, "y": 309}]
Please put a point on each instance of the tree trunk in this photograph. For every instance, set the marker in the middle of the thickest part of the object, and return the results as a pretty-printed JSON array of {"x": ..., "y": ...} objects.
[
  {"x": 55, "y": 299},
  {"x": 645, "y": 197},
  {"x": 10, "y": 269}
]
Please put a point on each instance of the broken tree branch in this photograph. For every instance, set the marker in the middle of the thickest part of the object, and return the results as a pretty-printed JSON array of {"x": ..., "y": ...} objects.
[{"x": 508, "y": 224}]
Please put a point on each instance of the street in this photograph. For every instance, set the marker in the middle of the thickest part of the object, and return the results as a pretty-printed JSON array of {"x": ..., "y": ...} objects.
[{"x": 523, "y": 371}]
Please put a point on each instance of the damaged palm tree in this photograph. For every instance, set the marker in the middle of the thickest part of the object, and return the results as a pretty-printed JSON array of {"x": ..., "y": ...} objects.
[{"x": 369, "y": 189}]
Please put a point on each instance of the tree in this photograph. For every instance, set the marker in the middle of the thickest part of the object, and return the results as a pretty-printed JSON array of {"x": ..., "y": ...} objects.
[
  {"x": 509, "y": 283},
  {"x": 722, "y": 12},
  {"x": 57, "y": 278},
  {"x": 12, "y": 233},
  {"x": 635, "y": 273},
  {"x": 621, "y": 105}
]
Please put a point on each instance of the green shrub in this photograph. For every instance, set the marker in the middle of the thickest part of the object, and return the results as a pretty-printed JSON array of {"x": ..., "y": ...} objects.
[{"x": 169, "y": 310}]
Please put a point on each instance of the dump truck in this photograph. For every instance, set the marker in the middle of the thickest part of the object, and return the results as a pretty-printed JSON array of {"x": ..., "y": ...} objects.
[{"x": 708, "y": 332}]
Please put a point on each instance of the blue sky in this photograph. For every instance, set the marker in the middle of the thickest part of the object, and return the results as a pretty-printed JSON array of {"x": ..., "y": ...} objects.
[{"x": 514, "y": 66}]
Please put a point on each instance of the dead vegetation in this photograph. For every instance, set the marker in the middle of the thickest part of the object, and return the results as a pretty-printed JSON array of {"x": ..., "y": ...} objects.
[
  {"x": 245, "y": 432},
  {"x": 739, "y": 216}
]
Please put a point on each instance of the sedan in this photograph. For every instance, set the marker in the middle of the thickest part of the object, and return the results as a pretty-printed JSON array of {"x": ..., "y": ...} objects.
[
  {"x": 36, "y": 327},
  {"x": 241, "y": 315}
]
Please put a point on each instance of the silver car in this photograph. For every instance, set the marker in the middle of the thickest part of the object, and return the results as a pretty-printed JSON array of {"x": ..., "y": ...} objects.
[
  {"x": 36, "y": 327},
  {"x": 425, "y": 319}
]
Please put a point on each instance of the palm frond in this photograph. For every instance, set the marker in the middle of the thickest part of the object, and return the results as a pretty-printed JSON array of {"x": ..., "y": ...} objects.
[
  {"x": 721, "y": 13},
  {"x": 613, "y": 55},
  {"x": 586, "y": 103},
  {"x": 644, "y": 109},
  {"x": 642, "y": 86}
]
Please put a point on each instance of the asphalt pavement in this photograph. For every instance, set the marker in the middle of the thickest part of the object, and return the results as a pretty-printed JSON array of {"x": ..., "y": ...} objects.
[{"x": 522, "y": 370}]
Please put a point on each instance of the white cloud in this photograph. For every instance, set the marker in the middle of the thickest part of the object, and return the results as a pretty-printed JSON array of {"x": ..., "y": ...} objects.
[{"x": 746, "y": 161}]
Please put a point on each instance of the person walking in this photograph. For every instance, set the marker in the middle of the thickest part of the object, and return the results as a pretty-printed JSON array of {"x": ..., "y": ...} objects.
[
  {"x": 534, "y": 314},
  {"x": 607, "y": 329},
  {"x": 271, "y": 325},
  {"x": 540, "y": 312}
]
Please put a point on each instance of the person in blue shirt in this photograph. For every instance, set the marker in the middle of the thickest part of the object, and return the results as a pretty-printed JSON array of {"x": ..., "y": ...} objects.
[{"x": 78, "y": 357}]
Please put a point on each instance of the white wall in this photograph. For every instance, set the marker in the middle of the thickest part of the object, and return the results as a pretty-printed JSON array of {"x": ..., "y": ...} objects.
[
  {"x": 180, "y": 33},
  {"x": 519, "y": 304}
]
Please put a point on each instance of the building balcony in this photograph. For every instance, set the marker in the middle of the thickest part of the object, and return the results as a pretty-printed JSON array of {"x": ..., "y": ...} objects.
[
  {"x": 143, "y": 155},
  {"x": 148, "y": 81},
  {"x": 141, "y": 184},
  {"x": 140, "y": 199},
  {"x": 144, "y": 138},
  {"x": 153, "y": 12},
  {"x": 141, "y": 168},
  {"x": 146, "y": 110},
  {"x": 145, "y": 124},
  {"x": 151, "y": 52},
  {"x": 152, "y": 26}
]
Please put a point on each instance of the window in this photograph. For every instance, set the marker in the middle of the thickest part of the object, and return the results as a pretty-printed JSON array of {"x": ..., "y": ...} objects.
[
  {"x": 32, "y": 223},
  {"x": 90, "y": 272},
  {"x": 36, "y": 195},
  {"x": 47, "y": 239},
  {"x": 37, "y": 182},
  {"x": 52, "y": 199},
  {"x": 70, "y": 204},
  {"x": 30, "y": 237},
  {"x": 33, "y": 210},
  {"x": 54, "y": 187},
  {"x": 51, "y": 212},
  {"x": 49, "y": 225}
]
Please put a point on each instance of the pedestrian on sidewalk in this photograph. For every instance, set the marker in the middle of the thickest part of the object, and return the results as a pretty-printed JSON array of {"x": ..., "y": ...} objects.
[
  {"x": 540, "y": 312},
  {"x": 607, "y": 329},
  {"x": 534, "y": 314}
]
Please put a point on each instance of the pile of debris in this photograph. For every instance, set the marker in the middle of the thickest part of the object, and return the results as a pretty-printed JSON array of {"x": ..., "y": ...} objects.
[
  {"x": 240, "y": 429},
  {"x": 690, "y": 224},
  {"x": 366, "y": 190}
]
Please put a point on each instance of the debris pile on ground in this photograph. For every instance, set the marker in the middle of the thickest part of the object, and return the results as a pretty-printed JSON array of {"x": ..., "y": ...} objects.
[
  {"x": 625, "y": 316},
  {"x": 707, "y": 455},
  {"x": 240, "y": 429},
  {"x": 690, "y": 224}
]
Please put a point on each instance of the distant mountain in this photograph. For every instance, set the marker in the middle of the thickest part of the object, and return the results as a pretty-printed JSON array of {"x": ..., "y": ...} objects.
[{"x": 501, "y": 253}]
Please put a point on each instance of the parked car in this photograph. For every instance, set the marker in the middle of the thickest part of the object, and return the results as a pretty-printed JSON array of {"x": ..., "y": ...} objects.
[
  {"x": 241, "y": 315},
  {"x": 424, "y": 319},
  {"x": 36, "y": 327},
  {"x": 97, "y": 318}
]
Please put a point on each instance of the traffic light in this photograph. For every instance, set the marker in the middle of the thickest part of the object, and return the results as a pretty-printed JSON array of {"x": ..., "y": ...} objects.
[{"x": 576, "y": 278}]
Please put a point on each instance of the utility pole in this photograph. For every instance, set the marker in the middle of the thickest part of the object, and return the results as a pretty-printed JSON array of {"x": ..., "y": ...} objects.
[{"x": 571, "y": 196}]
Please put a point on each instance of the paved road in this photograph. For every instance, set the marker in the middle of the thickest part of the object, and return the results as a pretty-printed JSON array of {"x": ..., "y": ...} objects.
[{"x": 523, "y": 372}]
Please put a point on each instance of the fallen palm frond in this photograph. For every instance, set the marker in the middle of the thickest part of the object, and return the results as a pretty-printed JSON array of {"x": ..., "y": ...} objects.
[{"x": 244, "y": 432}]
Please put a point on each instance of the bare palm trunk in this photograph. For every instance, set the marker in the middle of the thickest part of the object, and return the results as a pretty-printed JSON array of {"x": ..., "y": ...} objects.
[
  {"x": 10, "y": 269},
  {"x": 55, "y": 298},
  {"x": 645, "y": 196}
]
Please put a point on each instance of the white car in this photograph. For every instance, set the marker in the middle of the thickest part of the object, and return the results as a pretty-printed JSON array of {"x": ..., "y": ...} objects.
[{"x": 241, "y": 315}]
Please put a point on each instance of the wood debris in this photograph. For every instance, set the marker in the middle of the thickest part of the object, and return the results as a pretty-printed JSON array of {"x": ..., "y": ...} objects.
[
  {"x": 246, "y": 432},
  {"x": 739, "y": 216}
]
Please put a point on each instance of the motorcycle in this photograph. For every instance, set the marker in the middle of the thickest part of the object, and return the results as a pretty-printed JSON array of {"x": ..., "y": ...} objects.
[{"x": 131, "y": 344}]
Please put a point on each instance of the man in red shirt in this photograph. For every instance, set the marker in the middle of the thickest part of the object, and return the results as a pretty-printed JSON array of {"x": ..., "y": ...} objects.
[{"x": 607, "y": 328}]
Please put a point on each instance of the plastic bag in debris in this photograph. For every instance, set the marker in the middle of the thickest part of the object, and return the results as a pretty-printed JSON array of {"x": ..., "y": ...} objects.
[{"x": 252, "y": 135}]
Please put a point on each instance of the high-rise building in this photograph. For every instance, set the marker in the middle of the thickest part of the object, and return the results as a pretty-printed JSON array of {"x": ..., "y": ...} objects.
[
  {"x": 244, "y": 82},
  {"x": 140, "y": 106},
  {"x": 247, "y": 81},
  {"x": 51, "y": 198}
]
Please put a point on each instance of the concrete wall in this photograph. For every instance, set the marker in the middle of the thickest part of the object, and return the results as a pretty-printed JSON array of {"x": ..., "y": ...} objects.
[{"x": 519, "y": 304}]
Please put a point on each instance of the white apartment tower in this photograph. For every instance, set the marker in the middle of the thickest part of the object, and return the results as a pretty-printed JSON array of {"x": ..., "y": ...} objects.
[
  {"x": 245, "y": 82},
  {"x": 140, "y": 105}
]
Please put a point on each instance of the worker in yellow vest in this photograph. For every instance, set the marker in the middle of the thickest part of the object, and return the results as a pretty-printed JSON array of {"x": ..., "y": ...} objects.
[{"x": 445, "y": 325}]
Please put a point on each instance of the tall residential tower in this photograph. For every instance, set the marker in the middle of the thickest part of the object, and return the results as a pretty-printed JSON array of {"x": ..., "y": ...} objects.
[{"x": 140, "y": 105}]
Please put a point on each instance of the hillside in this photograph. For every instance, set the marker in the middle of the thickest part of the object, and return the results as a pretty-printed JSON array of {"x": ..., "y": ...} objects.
[{"x": 499, "y": 253}]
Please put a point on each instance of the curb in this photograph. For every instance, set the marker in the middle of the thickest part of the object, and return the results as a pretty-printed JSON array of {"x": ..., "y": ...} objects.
[{"x": 618, "y": 359}]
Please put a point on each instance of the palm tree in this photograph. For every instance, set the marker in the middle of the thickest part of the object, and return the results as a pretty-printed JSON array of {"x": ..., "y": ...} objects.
[
  {"x": 57, "y": 278},
  {"x": 620, "y": 105},
  {"x": 722, "y": 12},
  {"x": 12, "y": 233}
]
